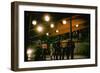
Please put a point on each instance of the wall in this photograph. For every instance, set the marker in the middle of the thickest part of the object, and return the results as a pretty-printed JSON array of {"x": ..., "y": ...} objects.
[{"x": 5, "y": 40}]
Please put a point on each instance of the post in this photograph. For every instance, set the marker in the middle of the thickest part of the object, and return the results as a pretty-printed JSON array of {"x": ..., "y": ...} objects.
[{"x": 71, "y": 28}]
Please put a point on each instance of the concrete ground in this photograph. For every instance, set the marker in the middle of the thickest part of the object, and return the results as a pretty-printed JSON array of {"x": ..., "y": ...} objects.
[{"x": 75, "y": 57}]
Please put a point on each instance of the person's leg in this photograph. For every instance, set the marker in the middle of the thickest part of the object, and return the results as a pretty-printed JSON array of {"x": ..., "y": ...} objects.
[
  {"x": 56, "y": 55},
  {"x": 44, "y": 54},
  {"x": 68, "y": 56},
  {"x": 63, "y": 53},
  {"x": 60, "y": 54},
  {"x": 51, "y": 54},
  {"x": 72, "y": 54},
  {"x": 65, "y": 56},
  {"x": 68, "y": 53}
]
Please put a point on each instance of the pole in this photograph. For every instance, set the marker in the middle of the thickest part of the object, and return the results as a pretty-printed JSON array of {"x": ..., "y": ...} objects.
[{"x": 71, "y": 28}]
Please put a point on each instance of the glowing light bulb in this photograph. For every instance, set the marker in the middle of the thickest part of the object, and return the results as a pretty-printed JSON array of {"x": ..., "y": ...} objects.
[
  {"x": 29, "y": 53},
  {"x": 47, "y": 18},
  {"x": 47, "y": 34},
  {"x": 52, "y": 25},
  {"x": 64, "y": 22},
  {"x": 34, "y": 22},
  {"x": 57, "y": 31},
  {"x": 39, "y": 28},
  {"x": 77, "y": 25}
]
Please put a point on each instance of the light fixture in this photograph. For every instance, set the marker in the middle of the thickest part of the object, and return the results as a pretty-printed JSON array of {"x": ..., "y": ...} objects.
[
  {"x": 29, "y": 53},
  {"x": 47, "y": 18},
  {"x": 64, "y": 21},
  {"x": 77, "y": 25},
  {"x": 52, "y": 25},
  {"x": 34, "y": 22},
  {"x": 57, "y": 31},
  {"x": 47, "y": 34},
  {"x": 39, "y": 28}
]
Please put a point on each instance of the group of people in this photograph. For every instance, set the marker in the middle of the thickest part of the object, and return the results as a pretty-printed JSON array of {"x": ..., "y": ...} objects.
[
  {"x": 64, "y": 50},
  {"x": 56, "y": 51}
]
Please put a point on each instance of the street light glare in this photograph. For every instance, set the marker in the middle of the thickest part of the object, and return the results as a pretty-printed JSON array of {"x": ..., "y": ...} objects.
[
  {"x": 39, "y": 28},
  {"x": 47, "y": 18},
  {"x": 34, "y": 22},
  {"x": 64, "y": 22},
  {"x": 52, "y": 25}
]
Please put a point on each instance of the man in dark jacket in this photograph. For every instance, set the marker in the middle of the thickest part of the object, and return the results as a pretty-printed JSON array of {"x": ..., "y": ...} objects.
[
  {"x": 70, "y": 49},
  {"x": 57, "y": 54}
]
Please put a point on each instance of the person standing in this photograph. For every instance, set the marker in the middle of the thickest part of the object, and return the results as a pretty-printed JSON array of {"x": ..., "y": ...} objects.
[
  {"x": 57, "y": 54},
  {"x": 44, "y": 50},
  {"x": 51, "y": 51},
  {"x": 63, "y": 50},
  {"x": 70, "y": 49}
]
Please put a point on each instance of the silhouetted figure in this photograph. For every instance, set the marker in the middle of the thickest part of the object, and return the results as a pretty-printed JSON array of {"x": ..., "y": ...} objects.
[
  {"x": 57, "y": 53},
  {"x": 70, "y": 49},
  {"x": 44, "y": 50},
  {"x": 63, "y": 51},
  {"x": 51, "y": 51},
  {"x": 38, "y": 54}
]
